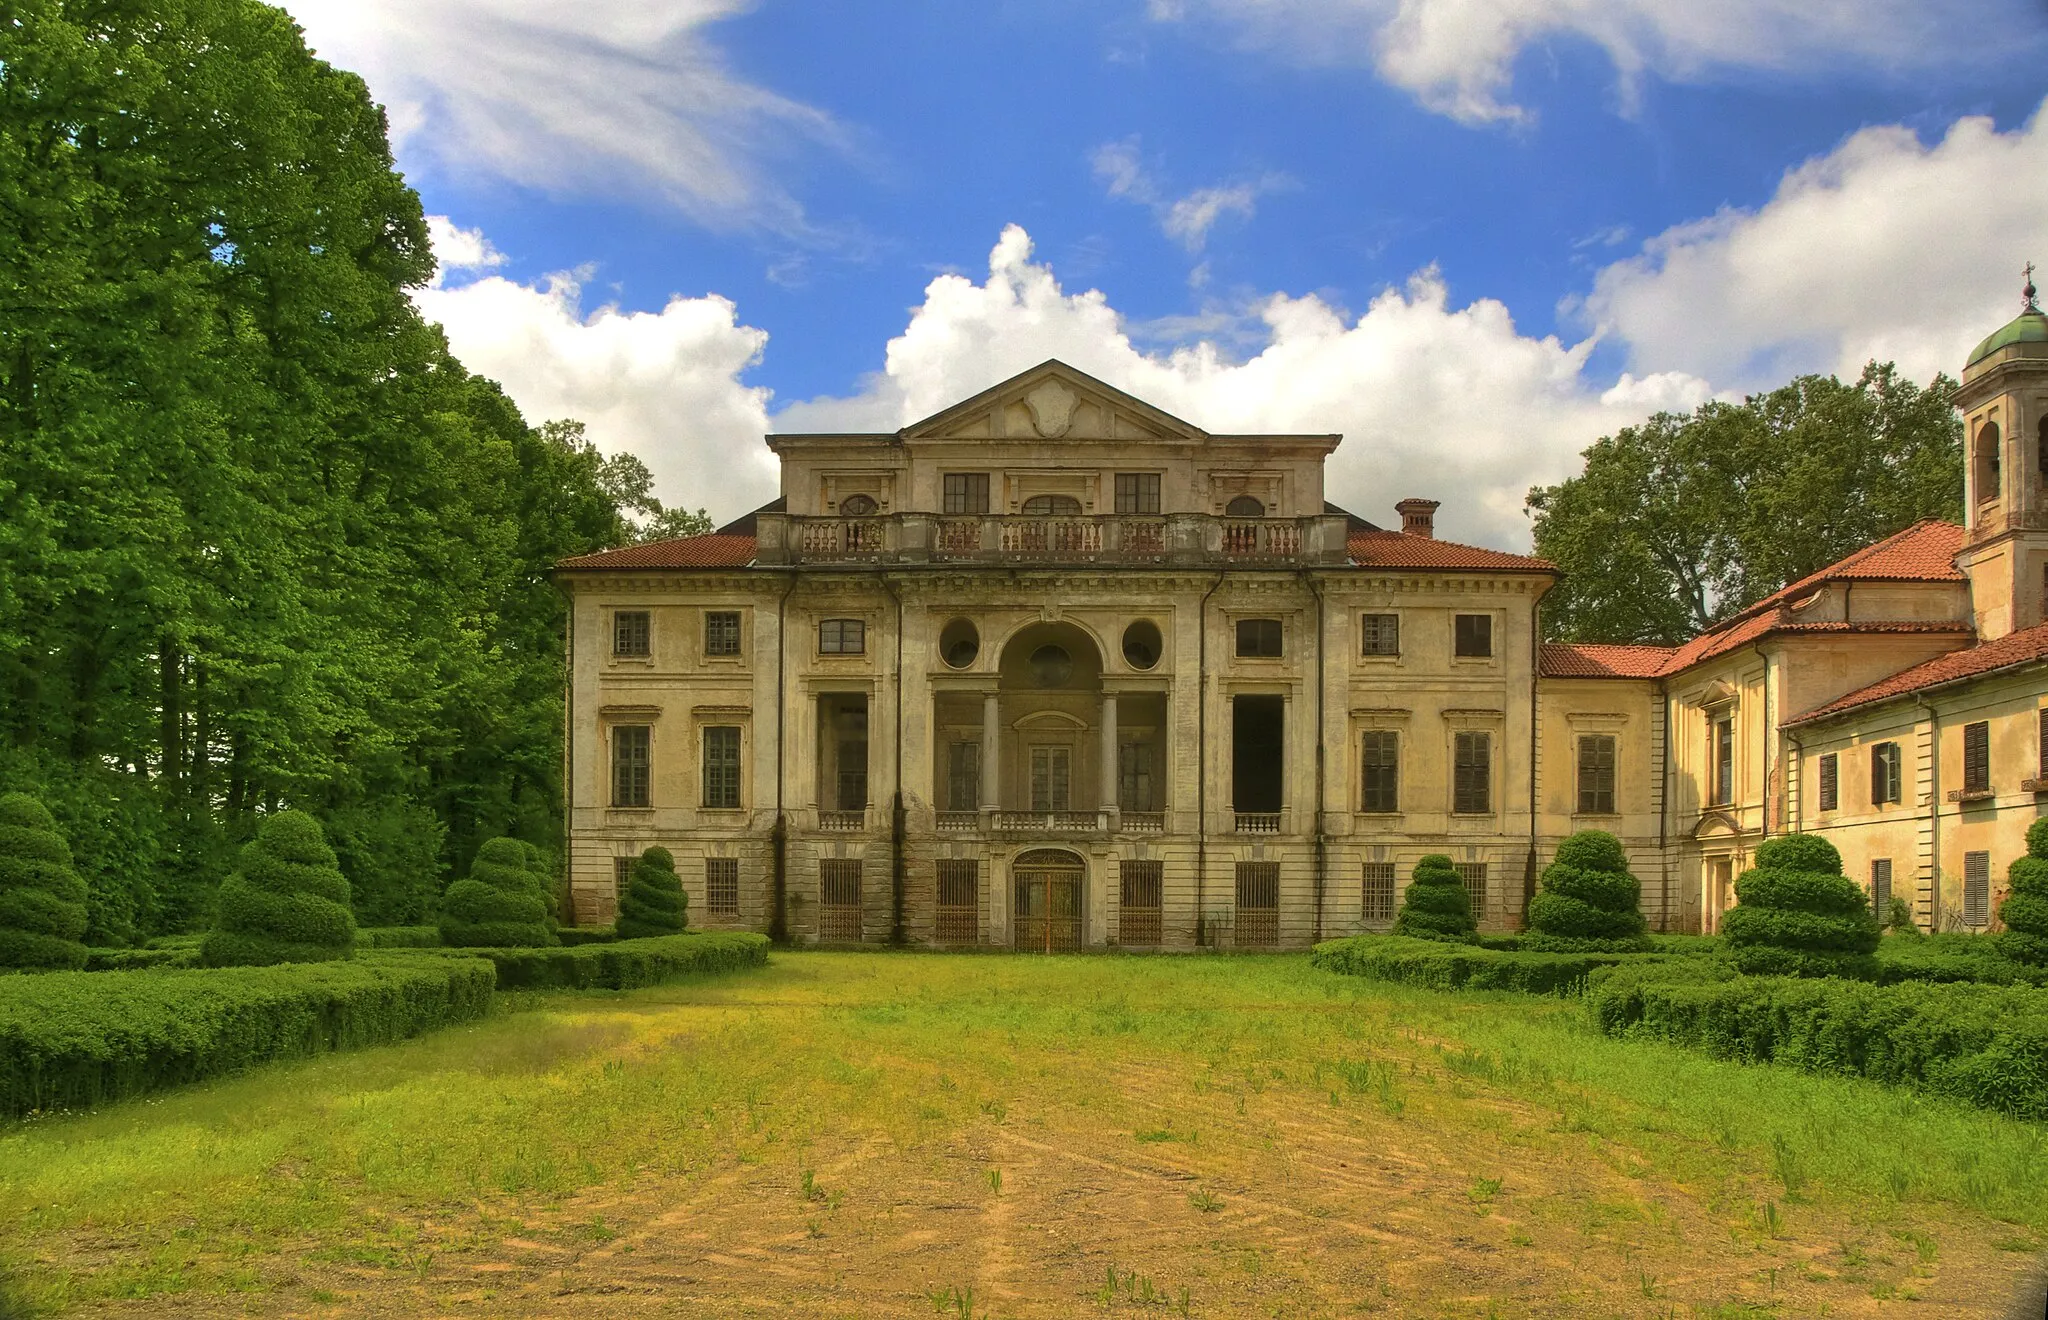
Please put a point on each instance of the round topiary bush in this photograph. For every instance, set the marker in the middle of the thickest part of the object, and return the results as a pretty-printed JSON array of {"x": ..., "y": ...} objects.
[
  {"x": 287, "y": 900},
  {"x": 1589, "y": 902},
  {"x": 2025, "y": 909},
  {"x": 654, "y": 902},
  {"x": 42, "y": 898},
  {"x": 500, "y": 905},
  {"x": 1436, "y": 906},
  {"x": 1798, "y": 915}
]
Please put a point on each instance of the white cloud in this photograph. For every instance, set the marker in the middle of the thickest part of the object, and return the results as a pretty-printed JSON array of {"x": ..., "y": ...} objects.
[
  {"x": 1458, "y": 56},
  {"x": 1187, "y": 220},
  {"x": 613, "y": 97},
  {"x": 1884, "y": 248},
  {"x": 456, "y": 248},
  {"x": 1433, "y": 400},
  {"x": 663, "y": 385}
]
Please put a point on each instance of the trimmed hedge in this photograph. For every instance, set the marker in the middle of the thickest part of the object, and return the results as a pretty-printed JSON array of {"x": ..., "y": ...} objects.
[
  {"x": 1436, "y": 905},
  {"x": 654, "y": 902},
  {"x": 70, "y": 1040},
  {"x": 2025, "y": 909},
  {"x": 1798, "y": 915},
  {"x": 129, "y": 960},
  {"x": 1986, "y": 1045},
  {"x": 587, "y": 935},
  {"x": 501, "y": 904},
  {"x": 42, "y": 898},
  {"x": 287, "y": 900},
  {"x": 1590, "y": 901},
  {"x": 1953, "y": 957},
  {"x": 398, "y": 937},
  {"x": 627, "y": 964},
  {"x": 1440, "y": 965}
]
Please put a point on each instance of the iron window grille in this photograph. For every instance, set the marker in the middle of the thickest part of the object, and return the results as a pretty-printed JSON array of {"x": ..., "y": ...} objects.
[
  {"x": 1886, "y": 774},
  {"x": 966, "y": 492},
  {"x": 839, "y": 899},
  {"x": 959, "y": 901},
  {"x": 1379, "y": 634},
  {"x": 722, "y": 886},
  {"x": 1976, "y": 888},
  {"x": 722, "y": 632},
  {"x": 1977, "y": 757},
  {"x": 722, "y": 767},
  {"x": 1472, "y": 774},
  {"x": 1830, "y": 782},
  {"x": 842, "y": 636},
  {"x": 632, "y": 633},
  {"x": 1474, "y": 876},
  {"x": 1596, "y": 774},
  {"x": 1137, "y": 492},
  {"x": 1377, "y": 906},
  {"x": 1259, "y": 639},
  {"x": 622, "y": 874},
  {"x": 1258, "y": 905},
  {"x": 1141, "y": 902},
  {"x": 1380, "y": 772},
  {"x": 1474, "y": 636},
  {"x": 631, "y": 746}
]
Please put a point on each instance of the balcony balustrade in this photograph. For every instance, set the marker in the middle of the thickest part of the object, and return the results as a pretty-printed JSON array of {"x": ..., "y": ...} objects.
[
  {"x": 1132, "y": 540},
  {"x": 843, "y": 822},
  {"x": 1258, "y": 822}
]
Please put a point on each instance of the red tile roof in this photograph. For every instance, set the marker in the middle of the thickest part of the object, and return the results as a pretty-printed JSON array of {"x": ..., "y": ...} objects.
[
  {"x": 1598, "y": 660},
  {"x": 716, "y": 550},
  {"x": 1403, "y": 550},
  {"x": 2023, "y": 647}
]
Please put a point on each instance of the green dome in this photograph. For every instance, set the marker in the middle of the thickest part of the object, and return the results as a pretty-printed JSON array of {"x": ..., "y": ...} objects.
[{"x": 2029, "y": 327}]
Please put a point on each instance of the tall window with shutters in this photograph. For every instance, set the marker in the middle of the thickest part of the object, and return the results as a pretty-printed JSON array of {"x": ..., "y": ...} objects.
[
  {"x": 1596, "y": 774},
  {"x": 1976, "y": 758},
  {"x": 631, "y": 764},
  {"x": 722, "y": 767},
  {"x": 1887, "y": 774},
  {"x": 1830, "y": 782},
  {"x": 1976, "y": 888},
  {"x": 1472, "y": 773},
  {"x": 1380, "y": 772}
]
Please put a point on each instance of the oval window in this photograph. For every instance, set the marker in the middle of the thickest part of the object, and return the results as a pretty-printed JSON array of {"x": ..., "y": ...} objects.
[
  {"x": 959, "y": 643},
  {"x": 1244, "y": 506},
  {"x": 1141, "y": 644},
  {"x": 1051, "y": 666},
  {"x": 858, "y": 506}
]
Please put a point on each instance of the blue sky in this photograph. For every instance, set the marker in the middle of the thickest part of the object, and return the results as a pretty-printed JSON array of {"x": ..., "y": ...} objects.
[{"x": 1473, "y": 235}]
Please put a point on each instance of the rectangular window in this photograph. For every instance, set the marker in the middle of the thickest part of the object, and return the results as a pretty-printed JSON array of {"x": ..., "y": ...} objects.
[
  {"x": 963, "y": 776},
  {"x": 1258, "y": 905},
  {"x": 1051, "y": 778},
  {"x": 1472, "y": 774},
  {"x": 1377, "y": 909},
  {"x": 1880, "y": 885},
  {"x": 1722, "y": 789},
  {"x": 959, "y": 917},
  {"x": 842, "y": 636},
  {"x": 966, "y": 492},
  {"x": 1886, "y": 774},
  {"x": 1258, "y": 638},
  {"x": 1380, "y": 772},
  {"x": 630, "y": 764},
  {"x": 722, "y": 767},
  {"x": 721, "y": 632},
  {"x": 1474, "y": 876},
  {"x": 1136, "y": 784},
  {"x": 632, "y": 633},
  {"x": 839, "y": 899},
  {"x": 1379, "y": 634},
  {"x": 1596, "y": 774},
  {"x": 1976, "y": 888},
  {"x": 1830, "y": 782},
  {"x": 1977, "y": 757},
  {"x": 1137, "y": 492},
  {"x": 1474, "y": 636},
  {"x": 722, "y": 886},
  {"x": 1138, "y": 920}
]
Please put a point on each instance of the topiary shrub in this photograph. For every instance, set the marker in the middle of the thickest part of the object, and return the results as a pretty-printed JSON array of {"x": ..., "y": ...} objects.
[
  {"x": 500, "y": 905},
  {"x": 1898, "y": 920},
  {"x": 42, "y": 898},
  {"x": 2025, "y": 909},
  {"x": 1436, "y": 906},
  {"x": 1590, "y": 902},
  {"x": 287, "y": 900},
  {"x": 1798, "y": 915},
  {"x": 654, "y": 902}
]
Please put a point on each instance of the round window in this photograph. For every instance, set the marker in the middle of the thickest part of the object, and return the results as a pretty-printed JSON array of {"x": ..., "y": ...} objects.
[
  {"x": 1141, "y": 644},
  {"x": 959, "y": 643},
  {"x": 1051, "y": 666}
]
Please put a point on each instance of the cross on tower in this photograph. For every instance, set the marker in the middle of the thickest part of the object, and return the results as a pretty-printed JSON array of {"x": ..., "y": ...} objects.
[{"x": 2027, "y": 291}]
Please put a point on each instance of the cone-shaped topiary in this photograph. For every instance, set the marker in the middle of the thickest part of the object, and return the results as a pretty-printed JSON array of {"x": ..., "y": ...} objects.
[
  {"x": 1589, "y": 903},
  {"x": 499, "y": 905},
  {"x": 1798, "y": 915},
  {"x": 42, "y": 899},
  {"x": 654, "y": 902},
  {"x": 1436, "y": 906},
  {"x": 287, "y": 900},
  {"x": 2025, "y": 909},
  {"x": 543, "y": 878}
]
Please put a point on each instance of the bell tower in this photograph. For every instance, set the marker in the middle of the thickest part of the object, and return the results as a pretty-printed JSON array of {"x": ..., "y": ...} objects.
[{"x": 2004, "y": 401}]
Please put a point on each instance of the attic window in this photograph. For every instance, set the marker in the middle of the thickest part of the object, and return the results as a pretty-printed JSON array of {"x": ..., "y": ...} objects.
[
  {"x": 1244, "y": 506},
  {"x": 859, "y": 506},
  {"x": 1053, "y": 506}
]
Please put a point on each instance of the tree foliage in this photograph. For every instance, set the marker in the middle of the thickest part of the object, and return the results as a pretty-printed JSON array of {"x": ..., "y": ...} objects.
[
  {"x": 263, "y": 541},
  {"x": 1589, "y": 901},
  {"x": 501, "y": 905},
  {"x": 1679, "y": 522},
  {"x": 1436, "y": 905},
  {"x": 2025, "y": 909},
  {"x": 42, "y": 900},
  {"x": 1798, "y": 915},
  {"x": 654, "y": 902},
  {"x": 286, "y": 902}
]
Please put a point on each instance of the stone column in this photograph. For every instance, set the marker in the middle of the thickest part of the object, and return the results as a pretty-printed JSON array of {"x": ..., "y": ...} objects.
[
  {"x": 1109, "y": 751},
  {"x": 991, "y": 760}
]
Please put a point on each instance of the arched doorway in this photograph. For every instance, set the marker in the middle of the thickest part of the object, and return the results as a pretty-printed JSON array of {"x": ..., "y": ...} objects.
[{"x": 1047, "y": 916}]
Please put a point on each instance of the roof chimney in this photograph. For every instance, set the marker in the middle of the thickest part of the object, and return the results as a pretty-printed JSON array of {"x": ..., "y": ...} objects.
[{"x": 1418, "y": 517}]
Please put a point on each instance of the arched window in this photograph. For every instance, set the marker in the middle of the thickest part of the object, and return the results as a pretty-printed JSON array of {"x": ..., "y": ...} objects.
[
  {"x": 1244, "y": 506},
  {"x": 1053, "y": 506},
  {"x": 858, "y": 506},
  {"x": 1987, "y": 463},
  {"x": 2041, "y": 444}
]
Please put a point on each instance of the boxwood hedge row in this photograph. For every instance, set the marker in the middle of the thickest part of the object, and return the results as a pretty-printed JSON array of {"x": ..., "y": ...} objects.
[
  {"x": 626, "y": 964},
  {"x": 1983, "y": 1044},
  {"x": 398, "y": 937},
  {"x": 1439, "y": 965},
  {"x": 69, "y": 1040}
]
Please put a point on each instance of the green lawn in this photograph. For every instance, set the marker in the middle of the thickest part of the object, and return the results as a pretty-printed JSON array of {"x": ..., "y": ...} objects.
[{"x": 863, "y": 1134}]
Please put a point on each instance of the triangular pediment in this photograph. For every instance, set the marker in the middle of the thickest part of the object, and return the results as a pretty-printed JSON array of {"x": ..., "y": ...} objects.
[{"x": 1053, "y": 402}]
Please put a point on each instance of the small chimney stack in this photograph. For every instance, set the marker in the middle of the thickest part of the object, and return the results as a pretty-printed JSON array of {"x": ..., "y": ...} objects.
[{"x": 1418, "y": 517}]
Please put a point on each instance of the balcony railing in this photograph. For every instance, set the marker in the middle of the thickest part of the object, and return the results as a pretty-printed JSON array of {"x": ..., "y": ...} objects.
[
  {"x": 1144, "y": 822},
  {"x": 957, "y": 821},
  {"x": 1134, "y": 540},
  {"x": 844, "y": 822},
  {"x": 1048, "y": 822},
  {"x": 1258, "y": 822}
]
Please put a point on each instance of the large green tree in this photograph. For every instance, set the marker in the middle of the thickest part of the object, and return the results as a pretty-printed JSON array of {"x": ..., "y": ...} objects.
[
  {"x": 1679, "y": 522},
  {"x": 263, "y": 541}
]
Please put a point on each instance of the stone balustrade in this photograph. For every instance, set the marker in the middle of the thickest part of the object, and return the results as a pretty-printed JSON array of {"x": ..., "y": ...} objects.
[{"x": 1126, "y": 540}]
